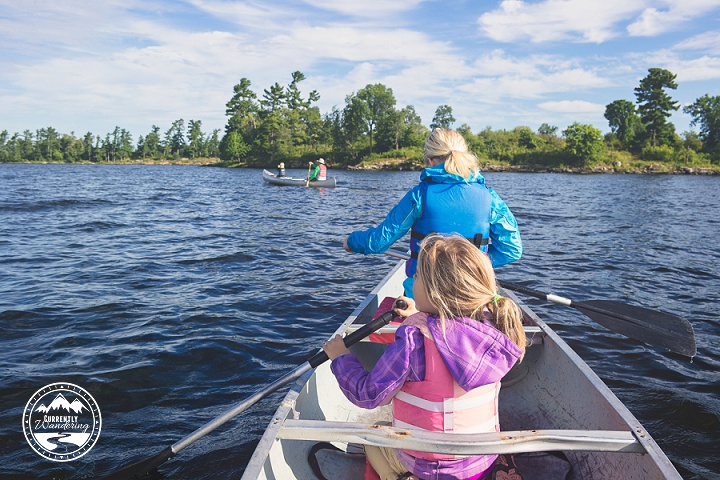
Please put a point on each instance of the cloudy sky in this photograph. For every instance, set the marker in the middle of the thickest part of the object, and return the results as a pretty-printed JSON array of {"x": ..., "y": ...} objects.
[{"x": 80, "y": 65}]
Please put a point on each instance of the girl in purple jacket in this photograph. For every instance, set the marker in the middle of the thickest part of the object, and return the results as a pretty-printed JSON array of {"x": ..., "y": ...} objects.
[{"x": 443, "y": 371}]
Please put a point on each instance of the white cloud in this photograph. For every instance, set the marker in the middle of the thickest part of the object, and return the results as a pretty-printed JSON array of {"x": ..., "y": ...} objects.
[
  {"x": 94, "y": 66},
  {"x": 375, "y": 9},
  {"x": 687, "y": 69},
  {"x": 587, "y": 20},
  {"x": 707, "y": 41},
  {"x": 573, "y": 106},
  {"x": 499, "y": 75},
  {"x": 654, "y": 21},
  {"x": 557, "y": 20}
]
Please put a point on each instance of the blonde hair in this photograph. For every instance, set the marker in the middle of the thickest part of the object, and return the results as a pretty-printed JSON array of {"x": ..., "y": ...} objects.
[
  {"x": 459, "y": 281},
  {"x": 449, "y": 146}
]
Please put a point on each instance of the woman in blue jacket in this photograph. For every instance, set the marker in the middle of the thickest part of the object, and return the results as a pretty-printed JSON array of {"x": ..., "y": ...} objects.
[{"x": 451, "y": 198}]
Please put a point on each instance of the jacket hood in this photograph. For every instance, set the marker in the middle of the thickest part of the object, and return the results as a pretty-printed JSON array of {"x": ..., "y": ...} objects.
[
  {"x": 475, "y": 353},
  {"x": 437, "y": 174}
]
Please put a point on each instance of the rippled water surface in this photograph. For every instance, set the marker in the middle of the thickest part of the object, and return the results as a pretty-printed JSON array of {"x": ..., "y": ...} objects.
[{"x": 171, "y": 293}]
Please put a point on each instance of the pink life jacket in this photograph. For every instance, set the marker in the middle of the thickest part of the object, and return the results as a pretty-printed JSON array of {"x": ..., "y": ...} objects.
[
  {"x": 322, "y": 175},
  {"x": 439, "y": 404}
]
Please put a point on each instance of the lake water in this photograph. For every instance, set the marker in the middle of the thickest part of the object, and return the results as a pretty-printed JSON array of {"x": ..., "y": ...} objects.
[{"x": 171, "y": 293}]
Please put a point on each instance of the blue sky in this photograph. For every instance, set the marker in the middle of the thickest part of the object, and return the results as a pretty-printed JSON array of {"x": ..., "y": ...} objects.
[{"x": 82, "y": 66}]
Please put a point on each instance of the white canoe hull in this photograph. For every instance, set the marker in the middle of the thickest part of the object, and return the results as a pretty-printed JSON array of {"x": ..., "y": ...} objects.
[
  {"x": 551, "y": 401},
  {"x": 270, "y": 177}
]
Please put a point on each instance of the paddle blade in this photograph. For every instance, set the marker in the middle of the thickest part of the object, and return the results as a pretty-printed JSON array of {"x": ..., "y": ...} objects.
[
  {"x": 141, "y": 468},
  {"x": 653, "y": 327}
]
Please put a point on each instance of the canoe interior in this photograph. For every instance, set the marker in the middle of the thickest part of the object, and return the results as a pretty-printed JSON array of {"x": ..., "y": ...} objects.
[{"x": 551, "y": 389}]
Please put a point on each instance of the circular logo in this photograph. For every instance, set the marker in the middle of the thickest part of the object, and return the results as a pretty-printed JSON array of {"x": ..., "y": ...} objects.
[{"x": 61, "y": 422}]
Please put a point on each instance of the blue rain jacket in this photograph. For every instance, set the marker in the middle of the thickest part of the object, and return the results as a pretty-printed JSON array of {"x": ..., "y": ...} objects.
[{"x": 505, "y": 246}]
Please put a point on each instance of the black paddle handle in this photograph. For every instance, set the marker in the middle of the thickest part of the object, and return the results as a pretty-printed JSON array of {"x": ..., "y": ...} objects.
[{"x": 362, "y": 332}]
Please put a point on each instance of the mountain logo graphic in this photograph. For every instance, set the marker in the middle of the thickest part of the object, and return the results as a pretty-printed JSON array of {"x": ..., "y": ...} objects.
[
  {"x": 62, "y": 422},
  {"x": 60, "y": 402}
]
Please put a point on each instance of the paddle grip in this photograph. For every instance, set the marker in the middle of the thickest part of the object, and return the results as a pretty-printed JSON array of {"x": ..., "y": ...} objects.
[{"x": 362, "y": 332}]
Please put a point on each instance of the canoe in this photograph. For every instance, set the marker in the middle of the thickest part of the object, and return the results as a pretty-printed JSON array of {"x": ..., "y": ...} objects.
[
  {"x": 551, "y": 402},
  {"x": 298, "y": 182}
]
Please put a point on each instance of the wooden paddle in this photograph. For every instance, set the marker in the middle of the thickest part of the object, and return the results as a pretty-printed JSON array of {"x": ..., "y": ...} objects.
[
  {"x": 307, "y": 184},
  {"x": 648, "y": 326},
  {"x": 144, "y": 467}
]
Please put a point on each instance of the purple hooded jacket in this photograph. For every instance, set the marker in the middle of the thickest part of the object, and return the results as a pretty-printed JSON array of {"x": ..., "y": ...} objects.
[{"x": 475, "y": 353}]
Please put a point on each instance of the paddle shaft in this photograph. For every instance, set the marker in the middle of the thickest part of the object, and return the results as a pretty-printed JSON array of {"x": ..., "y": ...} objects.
[
  {"x": 307, "y": 183},
  {"x": 145, "y": 466},
  {"x": 652, "y": 327}
]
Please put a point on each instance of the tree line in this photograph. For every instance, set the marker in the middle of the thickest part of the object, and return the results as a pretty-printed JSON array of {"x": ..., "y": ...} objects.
[{"x": 283, "y": 124}]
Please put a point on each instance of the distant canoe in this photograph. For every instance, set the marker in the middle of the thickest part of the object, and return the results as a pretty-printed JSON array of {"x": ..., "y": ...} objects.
[{"x": 298, "y": 182}]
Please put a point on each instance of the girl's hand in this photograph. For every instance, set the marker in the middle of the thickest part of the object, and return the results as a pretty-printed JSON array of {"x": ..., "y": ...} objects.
[
  {"x": 407, "y": 311},
  {"x": 335, "y": 347}
]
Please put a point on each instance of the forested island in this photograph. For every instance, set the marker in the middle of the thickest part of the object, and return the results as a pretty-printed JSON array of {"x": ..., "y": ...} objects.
[{"x": 370, "y": 131}]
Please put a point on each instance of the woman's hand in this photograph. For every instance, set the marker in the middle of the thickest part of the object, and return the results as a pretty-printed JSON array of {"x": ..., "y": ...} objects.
[
  {"x": 407, "y": 311},
  {"x": 335, "y": 347}
]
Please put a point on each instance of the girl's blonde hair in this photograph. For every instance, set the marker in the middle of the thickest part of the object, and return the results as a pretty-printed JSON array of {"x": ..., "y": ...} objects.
[
  {"x": 449, "y": 146},
  {"x": 459, "y": 281}
]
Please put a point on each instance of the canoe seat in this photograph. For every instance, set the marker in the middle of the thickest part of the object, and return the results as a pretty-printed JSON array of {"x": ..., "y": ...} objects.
[{"x": 522, "y": 441}]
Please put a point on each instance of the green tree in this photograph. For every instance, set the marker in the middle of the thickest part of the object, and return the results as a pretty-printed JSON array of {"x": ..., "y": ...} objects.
[
  {"x": 71, "y": 148},
  {"x": 547, "y": 131},
  {"x": 390, "y": 129},
  {"x": 13, "y": 148},
  {"x": 527, "y": 138},
  {"x": 273, "y": 136},
  {"x": 655, "y": 105},
  {"x": 235, "y": 147},
  {"x": 296, "y": 106},
  {"x": 414, "y": 133},
  {"x": 195, "y": 139},
  {"x": 623, "y": 120},
  {"x": 175, "y": 138},
  {"x": 242, "y": 110},
  {"x": 47, "y": 144},
  {"x": 691, "y": 144},
  {"x": 303, "y": 120},
  {"x": 150, "y": 146},
  {"x": 122, "y": 143},
  {"x": 88, "y": 149},
  {"x": 4, "y": 146},
  {"x": 705, "y": 112},
  {"x": 377, "y": 104},
  {"x": 443, "y": 117},
  {"x": 583, "y": 142},
  {"x": 212, "y": 144}
]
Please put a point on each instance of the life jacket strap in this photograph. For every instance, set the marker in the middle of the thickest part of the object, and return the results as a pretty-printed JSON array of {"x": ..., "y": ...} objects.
[{"x": 478, "y": 240}]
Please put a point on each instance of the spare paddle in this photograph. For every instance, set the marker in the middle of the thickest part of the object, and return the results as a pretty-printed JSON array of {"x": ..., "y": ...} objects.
[
  {"x": 144, "y": 467},
  {"x": 652, "y": 327}
]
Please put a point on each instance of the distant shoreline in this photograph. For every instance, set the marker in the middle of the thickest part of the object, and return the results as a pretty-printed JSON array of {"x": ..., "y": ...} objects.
[{"x": 656, "y": 169}]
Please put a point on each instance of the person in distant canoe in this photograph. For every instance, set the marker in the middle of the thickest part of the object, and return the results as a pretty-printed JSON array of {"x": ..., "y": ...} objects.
[
  {"x": 281, "y": 169},
  {"x": 318, "y": 170},
  {"x": 451, "y": 198},
  {"x": 443, "y": 371}
]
